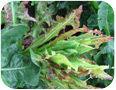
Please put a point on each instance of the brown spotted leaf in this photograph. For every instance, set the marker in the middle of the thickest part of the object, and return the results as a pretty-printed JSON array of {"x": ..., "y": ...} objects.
[
  {"x": 55, "y": 30},
  {"x": 102, "y": 75}
]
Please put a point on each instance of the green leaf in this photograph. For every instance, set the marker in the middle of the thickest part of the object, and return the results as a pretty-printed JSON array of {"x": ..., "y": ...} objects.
[
  {"x": 68, "y": 34},
  {"x": 58, "y": 83},
  {"x": 62, "y": 60},
  {"x": 106, "y": 18},
  {"x": 63, "y": 44},
  {"x": 102, "y": 75},
  {"x": 85, "y": 64},
  {"x": 83, "y": 48},
  {"x": 92, "y": 21},
  {"x": 84, "y": 38},
  {"x": 4, "y": 79},
  {"x": 105, "y": 54},
  {"x": 16, "y": 68},
  {"x": 14, "y": 32},
  {"x": 78, "y": 82},
  {"x": 95, "y": 4},
  {"x": 51, "y": 2},
  {"x": 111, "y": 44},
  {"x": 9, "y": 37},
  {"x": 65, "y": 35},
  {"x": 21, "y": 71},
  {"x": 35, "y": 58},
  {"x": 61, "y": 37},
  {"x": 74, "y": 87}
]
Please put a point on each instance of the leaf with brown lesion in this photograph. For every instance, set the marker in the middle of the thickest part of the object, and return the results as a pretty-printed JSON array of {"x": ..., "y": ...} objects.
[
  {"x": 99, "y": 39},
  {"x": 57, "y": 28},
  {"x": 81, "y": 72},
  {"x": 65, "y": 35},
  {"x": 102, "y": 75},
  {"x": 99, "y": 73},
  {"x": 75, "y": 21},
  {"x": 62, "y": 66}
]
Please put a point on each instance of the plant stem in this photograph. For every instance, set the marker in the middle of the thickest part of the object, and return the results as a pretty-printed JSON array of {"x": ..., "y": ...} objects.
[{"x": 13, "y": 13}]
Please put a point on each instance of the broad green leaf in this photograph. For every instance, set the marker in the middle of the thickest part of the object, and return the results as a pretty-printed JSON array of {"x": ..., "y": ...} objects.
[
  {"x": 106, "y": 54},
  {"x": 14, "y": 32},
  {"x": 111, "y": 44},
  {"x": 17, "y": 70},
  {"x": 4, "y": 79},
  {"x": 106, "y": 18},
  {"x": 9, "y": 37},
  {"x": 21, "y": 71}
]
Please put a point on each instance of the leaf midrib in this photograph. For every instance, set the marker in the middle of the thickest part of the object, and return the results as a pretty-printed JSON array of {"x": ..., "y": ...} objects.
[{"x": 11, "y": 69}]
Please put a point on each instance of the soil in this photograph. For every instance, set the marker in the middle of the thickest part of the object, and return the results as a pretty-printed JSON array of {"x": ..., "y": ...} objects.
[{"x": 27, "y": 42}]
